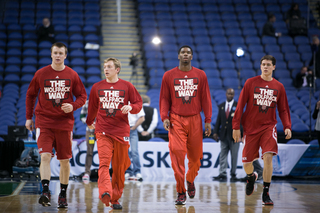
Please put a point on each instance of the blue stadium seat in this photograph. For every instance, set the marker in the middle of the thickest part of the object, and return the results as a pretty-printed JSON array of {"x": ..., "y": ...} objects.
[
  {"x": 93, "y": 62},
  {"x": 295, "y": 141},
  {"x": 29, "y": 69},
  {"x": 30, "y": 61},
  {"x": 231, "y": 83},
  {"x": 226, "y": 64},
  {"x": 215, "y": 83},
  {"x": 228, "y": 73},
  {"x": 93, "y": 71},
  {"x": 208, "y": 64},
  {"x": 93, "y": 79}
]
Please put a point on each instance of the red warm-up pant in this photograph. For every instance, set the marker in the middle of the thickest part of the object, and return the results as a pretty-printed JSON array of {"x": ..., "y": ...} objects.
[
  {"x": 110, "y": 148},
  {"x": 185, "y": 137}
]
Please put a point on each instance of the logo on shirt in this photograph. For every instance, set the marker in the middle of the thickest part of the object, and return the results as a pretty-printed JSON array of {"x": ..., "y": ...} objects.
[
  {"x": 265, "y": 98},
  {"x": 186, "y": 89},
  {"x": 111, "y": 101},
  {"x": 57, "y": 90}
]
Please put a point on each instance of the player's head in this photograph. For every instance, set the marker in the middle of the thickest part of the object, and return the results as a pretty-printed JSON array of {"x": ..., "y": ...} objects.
[
  {"x": 267, "y": 66},
  {"x": 230, "y": 94},
  {"x": 58, "y": 53},
  {"x": 185, "y": 55},
  {"x": 60, "y": 45},
  {"x": 268, "y": 57},
  {"x": 185, "y": 46},
  {"x": 112, "y": 63}
]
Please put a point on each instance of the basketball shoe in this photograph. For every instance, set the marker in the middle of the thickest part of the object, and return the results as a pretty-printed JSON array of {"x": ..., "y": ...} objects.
[
  {"x": 250, "y": 183},
  {"x": 191, "y": 189},
  {"x": 45, "y": 199},
  {"x": 105, "y": 198},
  {"x": 266, "y": 199},
  {"x": 116, "y": 205},
  {"x": 181, "y": 200},
  {"x": 62, "y": 202}
]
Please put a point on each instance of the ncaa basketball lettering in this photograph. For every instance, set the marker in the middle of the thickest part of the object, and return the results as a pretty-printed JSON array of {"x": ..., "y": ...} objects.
[
  {"x": 186, "y": 89},
  {"x": 111, "y": 100},
  {"x": 265, "y": 98},
  {"x": 57, "y": 90}
]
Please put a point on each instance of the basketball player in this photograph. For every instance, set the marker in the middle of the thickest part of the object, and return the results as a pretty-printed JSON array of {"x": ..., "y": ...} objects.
[
  {"x": 262, "y": 94},
  {"x": 109, "y": 104},
  {"x": 184, "y": 94},
  {"x": 54, "y": 117}
]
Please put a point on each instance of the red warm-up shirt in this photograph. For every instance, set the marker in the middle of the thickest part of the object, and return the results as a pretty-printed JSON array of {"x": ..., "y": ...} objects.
[
  {"x": 185, "y": 93},
  {"x": 261, "y": 97},
  {"x": 105, "y": 103},
  {"x": 56, "y": 88}
]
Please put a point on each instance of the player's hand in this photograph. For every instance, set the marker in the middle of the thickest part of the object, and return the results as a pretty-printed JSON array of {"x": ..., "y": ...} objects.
[
  {"x": 29, "y": 124},
  {"x": 67, "y": 108},
  {"x": 92, "y": 126},
  {"x": 126, "y": 109},
  {"x": 215, "y": 136},
  {"x": 287, "y": 132},
  {"x": 166, "y": 124},
  {"x": 236, "y": 134},
  {"x": 207, "y": 129}
]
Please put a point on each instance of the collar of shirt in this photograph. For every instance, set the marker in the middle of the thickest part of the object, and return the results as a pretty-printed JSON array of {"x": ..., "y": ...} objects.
[{"x": 230, "y": 105}]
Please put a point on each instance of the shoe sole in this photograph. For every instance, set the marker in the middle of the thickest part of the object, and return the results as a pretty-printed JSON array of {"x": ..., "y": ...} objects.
[
  {"x": 256, "y": 174},
  {"x": 117, "y": 208},
  {"x": 181, "y": 203},
  {"x": 62, "y": 206},
  {"x": 267, "y": 204},
  {"x": 44, "y": 201}
]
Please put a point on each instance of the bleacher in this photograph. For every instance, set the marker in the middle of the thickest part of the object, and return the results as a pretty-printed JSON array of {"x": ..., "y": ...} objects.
[
  {"x": 215, "y": 29},
  {"x": 76, "y": 23}
]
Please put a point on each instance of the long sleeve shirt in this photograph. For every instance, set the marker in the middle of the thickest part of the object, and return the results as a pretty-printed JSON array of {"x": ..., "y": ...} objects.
[
  {"x": 262, "y": 98},
  {"x": 185, "y": 94},
  {"x": 105, "y": 103},
  {"x": 56, "y": 88}
]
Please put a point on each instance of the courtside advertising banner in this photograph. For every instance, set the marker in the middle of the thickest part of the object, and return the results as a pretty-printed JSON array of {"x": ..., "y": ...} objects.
[{"x": 155, "y": 160}]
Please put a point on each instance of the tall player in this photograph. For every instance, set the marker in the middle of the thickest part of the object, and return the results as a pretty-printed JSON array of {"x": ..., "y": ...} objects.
[
  {"x": 184, "y": 94},
  {"x": 262, "y": 94},
  {"x": 54, "y": 117},
  {"x": 109, "y": 102}
]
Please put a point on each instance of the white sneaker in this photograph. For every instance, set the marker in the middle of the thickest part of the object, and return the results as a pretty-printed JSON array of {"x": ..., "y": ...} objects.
[
  {"x": 138, "y": 177},
  {"x": 126, "y": 176},
  {"x": 86, "y": 177}
]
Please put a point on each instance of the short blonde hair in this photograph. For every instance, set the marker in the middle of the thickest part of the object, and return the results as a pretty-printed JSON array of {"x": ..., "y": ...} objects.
[{"x": 116, "y": 62}]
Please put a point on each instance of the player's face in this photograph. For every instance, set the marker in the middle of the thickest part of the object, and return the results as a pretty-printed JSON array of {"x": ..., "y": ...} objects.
[
  {"x": 267, "y": 68},
  {"x": 185, "y": 55},
  {"x": 109, "y": 69},
  {"x": 58, "y": 55}
]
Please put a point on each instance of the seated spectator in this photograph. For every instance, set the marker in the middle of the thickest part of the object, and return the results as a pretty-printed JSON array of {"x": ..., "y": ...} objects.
[
  {"x": 315, "y": 55},
  {"x": 268, "y": 28},
  {"x": 146, "y": 129},
  {"x": 304, "y": 78},
  {"x": 293, "y": 13},
  {"x": 46, "y": 31}
]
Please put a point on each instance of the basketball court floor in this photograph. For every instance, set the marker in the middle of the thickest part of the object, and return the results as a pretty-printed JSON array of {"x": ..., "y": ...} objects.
[{"x": 158, "y": 196}]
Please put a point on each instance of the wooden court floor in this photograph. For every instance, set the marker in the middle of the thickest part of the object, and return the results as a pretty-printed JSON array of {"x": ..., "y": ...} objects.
[{"x": 158, "y": 196}]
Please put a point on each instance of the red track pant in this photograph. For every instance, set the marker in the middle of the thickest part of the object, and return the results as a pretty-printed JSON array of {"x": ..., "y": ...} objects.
[
  {"x": 110, "y": 148},
  {"x": 185, "y": 137}
]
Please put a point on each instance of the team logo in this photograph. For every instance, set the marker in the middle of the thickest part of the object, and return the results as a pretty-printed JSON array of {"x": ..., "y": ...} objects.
[
  {"x": 111, "y": 101},
  {"x": 265, "y": 98},
  {"x": 57, "y": 90},
  {"x": 186, "y": 89}
]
